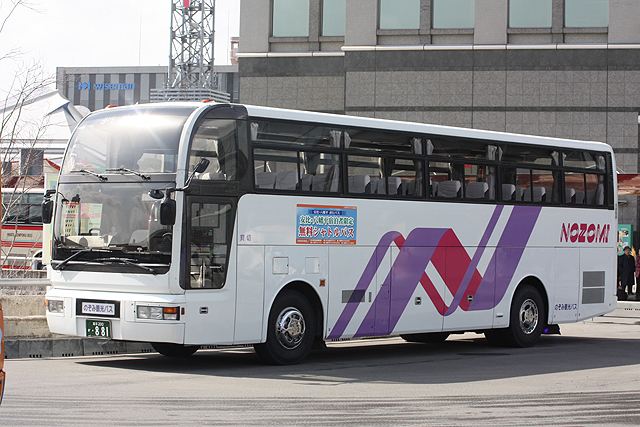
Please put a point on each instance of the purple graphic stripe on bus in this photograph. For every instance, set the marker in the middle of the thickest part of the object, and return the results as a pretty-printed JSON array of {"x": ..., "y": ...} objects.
[
  {"x": 509, "y": 251},
  {"x": 407, "y": 269},
  {"x": 414, "y": 256},
  {"x": 474, "y": 262},
  {"x": 364, "y": 282}
]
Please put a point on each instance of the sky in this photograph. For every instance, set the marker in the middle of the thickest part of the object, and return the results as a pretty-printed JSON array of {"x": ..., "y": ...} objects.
[{"x": 81, "y": 33}]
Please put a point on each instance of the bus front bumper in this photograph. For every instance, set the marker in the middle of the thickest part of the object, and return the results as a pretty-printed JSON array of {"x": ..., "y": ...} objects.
[{"x": 123, "y": 323}]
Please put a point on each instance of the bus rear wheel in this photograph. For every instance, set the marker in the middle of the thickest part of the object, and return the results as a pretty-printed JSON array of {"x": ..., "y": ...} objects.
[
  {"x": 174, "y": 350},
  {"x": 526, "y": 323},
  {"x": 291, "y": 330},
  {"x": 428, "y": 338}
]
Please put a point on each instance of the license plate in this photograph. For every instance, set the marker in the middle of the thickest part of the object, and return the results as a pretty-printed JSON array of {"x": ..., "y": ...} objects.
[{"x": 99, "y": 328}]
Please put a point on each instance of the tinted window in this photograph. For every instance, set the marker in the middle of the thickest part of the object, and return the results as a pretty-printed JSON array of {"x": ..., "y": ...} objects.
[{"x": 292, "y": 133}]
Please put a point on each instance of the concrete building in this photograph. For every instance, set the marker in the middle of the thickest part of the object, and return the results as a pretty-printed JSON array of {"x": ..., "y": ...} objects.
[
  {"x": 560, "y": 68},
  {"x": 97, "y": 87}
]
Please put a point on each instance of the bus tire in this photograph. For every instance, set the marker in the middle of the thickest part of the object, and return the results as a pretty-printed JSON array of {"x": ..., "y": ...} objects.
[
  {"x": 291, "y": 330},
  {"x": 427, "y": 338},
  {"x": 527, "y": 318},
  {"x": 174, "y": 350}
]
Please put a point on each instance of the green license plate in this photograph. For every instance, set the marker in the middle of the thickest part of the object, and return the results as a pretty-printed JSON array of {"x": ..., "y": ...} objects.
[{"x": 99, "y": 328}]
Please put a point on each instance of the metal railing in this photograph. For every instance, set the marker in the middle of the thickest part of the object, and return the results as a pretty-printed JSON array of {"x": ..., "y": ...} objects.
[{"x": 24, "y": 282}]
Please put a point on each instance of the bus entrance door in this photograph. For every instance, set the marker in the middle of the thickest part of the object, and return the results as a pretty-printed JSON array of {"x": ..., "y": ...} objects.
[{"x": 210, "y": 282}]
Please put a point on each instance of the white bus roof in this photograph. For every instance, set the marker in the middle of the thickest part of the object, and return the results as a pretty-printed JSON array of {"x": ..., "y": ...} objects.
[{"x": 356, "y": 121}]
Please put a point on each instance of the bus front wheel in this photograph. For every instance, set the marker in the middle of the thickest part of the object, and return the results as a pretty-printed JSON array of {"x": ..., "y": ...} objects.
[
  {"x": 291, "y": 330},
  {"x": 174, "y": 350}
]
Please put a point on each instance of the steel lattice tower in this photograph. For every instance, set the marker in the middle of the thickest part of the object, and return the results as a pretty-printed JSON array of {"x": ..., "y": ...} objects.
[{"x": 191, "y": 53}]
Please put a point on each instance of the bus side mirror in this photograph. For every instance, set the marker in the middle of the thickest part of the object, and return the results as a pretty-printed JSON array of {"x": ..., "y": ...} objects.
[
  {"x": 168, "y": 211},
  {"x": 47, "y": 211}
]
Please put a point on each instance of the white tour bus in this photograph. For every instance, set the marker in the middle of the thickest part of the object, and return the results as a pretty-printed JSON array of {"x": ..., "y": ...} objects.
[{"x": 189, "y": 224}]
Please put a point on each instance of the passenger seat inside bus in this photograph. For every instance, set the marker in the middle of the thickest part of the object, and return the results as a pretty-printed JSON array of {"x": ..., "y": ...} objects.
[
  {"x": 359, "y": 184},
  {"x": 508, "y": 191},
  {"x": 305, "y": 180},
  {"x": 213, "y": 176},
  {"x": 287, "y": 180},
  {"x": 538, "y": 194},
  {"x": 434, "y": 188},
  {"x": 449, "y": 189},
  {"x": 265, "y": 179},
  {"x": 477, "y": 190},
  {"x": 569, "y": 194},
  {"x": 393, "y": 183}
]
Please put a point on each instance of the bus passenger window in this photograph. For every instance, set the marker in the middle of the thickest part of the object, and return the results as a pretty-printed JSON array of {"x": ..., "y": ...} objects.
[
  {"x": 276, "y": 169},
  {"x": 595, "y": 189},
  {"x": 445, "y": 179},
  {"x": 480, "y": 182},
  {"x": 574, "y": 188},
  {"x": 545, "y": 183},
  {"x": 365, "y": 174},
  {"x": 321, "y": 171},
  {"x": 215, "y": 140}
]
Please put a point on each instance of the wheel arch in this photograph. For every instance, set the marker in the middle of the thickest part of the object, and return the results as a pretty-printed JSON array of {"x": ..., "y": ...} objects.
[{"x": 311, "y": 294}]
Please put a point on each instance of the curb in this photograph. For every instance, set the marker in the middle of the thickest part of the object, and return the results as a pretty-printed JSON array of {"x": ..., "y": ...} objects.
[{"x": 70, "y": 347}]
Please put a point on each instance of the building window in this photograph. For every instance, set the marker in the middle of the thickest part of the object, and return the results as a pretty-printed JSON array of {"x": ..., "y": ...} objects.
[
  {"x": 530, "y": 14},
  {"x": 291, "y": 18},
  {"x": 399, "y": 14},
  {"x": 334, "y": 13},
  {"x": 31, "y": 161},
  {"x": 586, "y": 13},
  {"x": 453, "y": 13}
]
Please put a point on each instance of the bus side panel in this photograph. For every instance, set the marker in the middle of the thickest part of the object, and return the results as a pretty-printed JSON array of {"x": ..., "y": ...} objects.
[
  {"x": 456, "y": 268},
  {"x": 284, "y": 265},
  {"x": 564, "y": 305},
  {"x": 597, "y": 288},
  {"x": 421, "y": 313},
  {"x": 250, "y": 295},
  {"x": 356, "y": 275}
]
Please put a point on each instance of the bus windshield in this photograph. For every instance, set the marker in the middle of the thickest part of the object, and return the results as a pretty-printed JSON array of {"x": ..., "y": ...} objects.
[
  {"x": 144, "y": 140},
  {"x": 113, "y": 222}
]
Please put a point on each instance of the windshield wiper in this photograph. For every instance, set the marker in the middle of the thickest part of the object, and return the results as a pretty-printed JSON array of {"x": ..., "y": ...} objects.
[
  {"x": 102, "y": 177},
  {"x": 128, "y": 262},
  {"x": 127, "y": 170},
  {"x": 74, "y": 256}
]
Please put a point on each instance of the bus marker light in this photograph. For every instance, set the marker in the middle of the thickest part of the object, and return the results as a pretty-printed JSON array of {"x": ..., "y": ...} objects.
[
  {"x": 170, "y": 313},
  {"x": 322, "y": 283}
]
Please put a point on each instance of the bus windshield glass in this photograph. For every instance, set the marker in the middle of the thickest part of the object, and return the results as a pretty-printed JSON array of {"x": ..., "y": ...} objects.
[
  {"x": 144, "y": 140},
  {"x": 116, "y": 224}
]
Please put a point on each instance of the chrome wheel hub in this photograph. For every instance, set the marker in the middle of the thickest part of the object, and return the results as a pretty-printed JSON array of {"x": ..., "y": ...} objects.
[
  {"x": 528, "y": 316},
  {"x": 290, "y": 328}
]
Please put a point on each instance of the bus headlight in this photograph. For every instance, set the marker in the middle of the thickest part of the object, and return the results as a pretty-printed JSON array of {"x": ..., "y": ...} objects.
[
  {"x": 157, "y": 313},
  {"x": 54, "y": 306}
]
